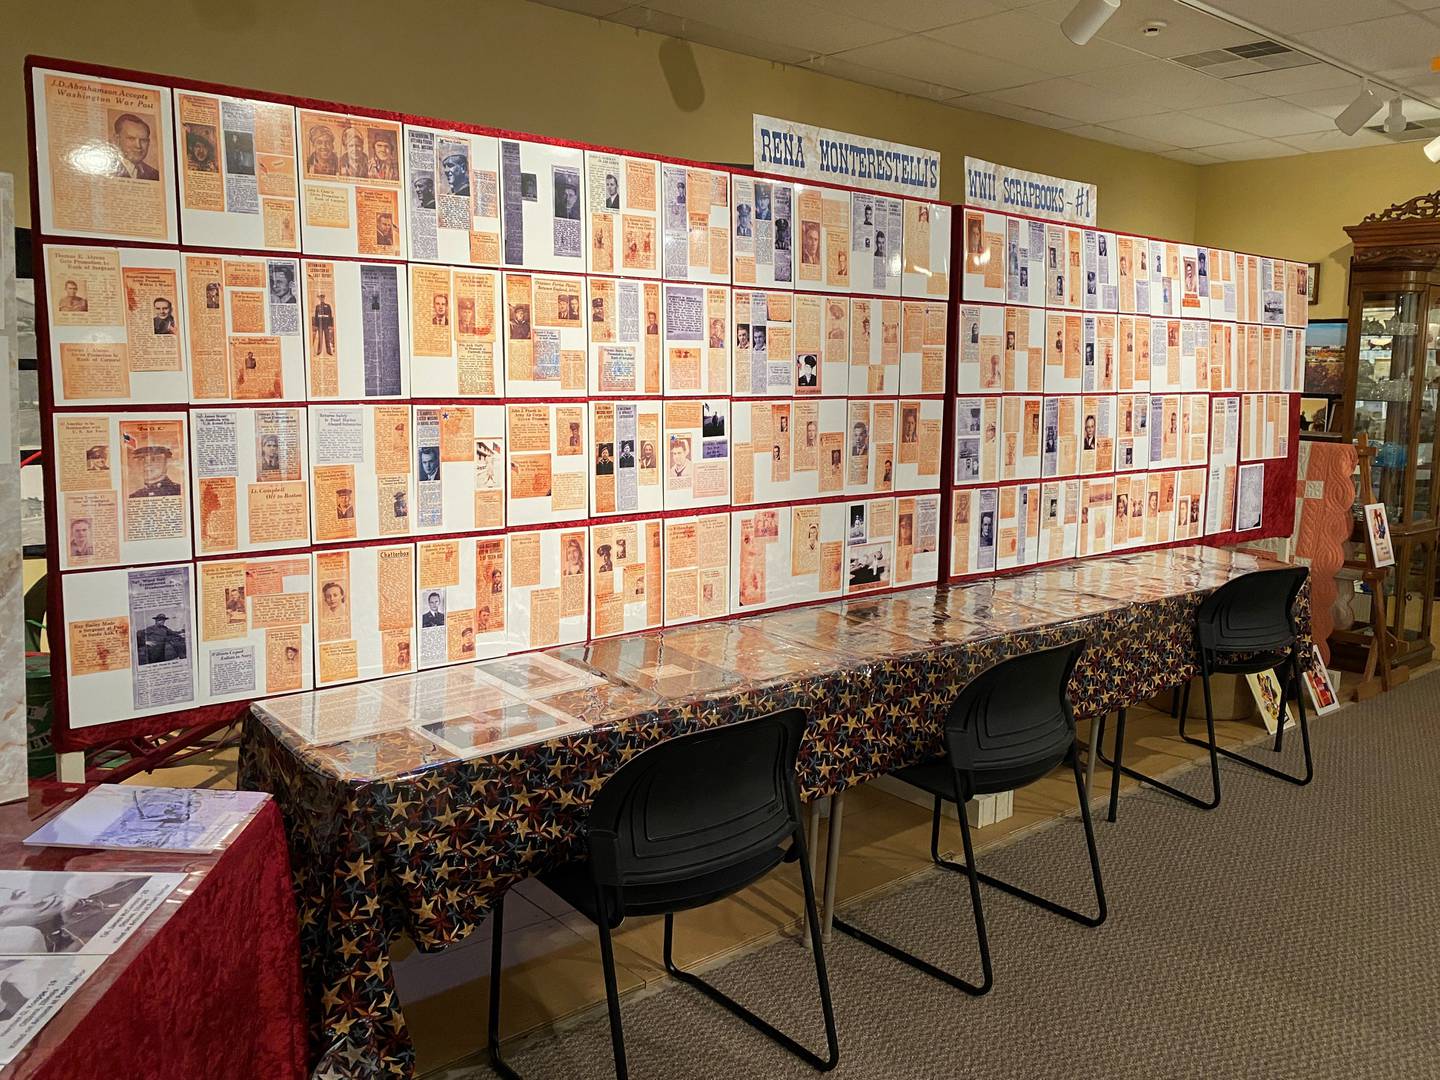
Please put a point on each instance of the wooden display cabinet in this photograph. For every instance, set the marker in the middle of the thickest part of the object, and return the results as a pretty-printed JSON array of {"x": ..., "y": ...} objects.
[{"x": 1392, "y": 381}]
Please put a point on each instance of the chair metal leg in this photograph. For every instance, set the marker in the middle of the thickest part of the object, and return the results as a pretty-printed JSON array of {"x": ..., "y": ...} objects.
[
  {"x": 492, "y": 1041},
  {"x": 832, "y": 1040},
  {"x": 1115, "y": 772},
  {"x": 1097, "y": 733},
  {"x": 935, "y": 832},
  {"x": 1309, "y": 774},
  {"x": 1160, "y": 785},
  {"x": 612, "y": 990},
  {"x": 832, "y": 861}
]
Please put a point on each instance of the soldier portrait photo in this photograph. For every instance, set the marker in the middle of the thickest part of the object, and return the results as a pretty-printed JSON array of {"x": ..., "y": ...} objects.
[
  {"x": 157, "y": 643},
  {"x": 153, "y": 465}
]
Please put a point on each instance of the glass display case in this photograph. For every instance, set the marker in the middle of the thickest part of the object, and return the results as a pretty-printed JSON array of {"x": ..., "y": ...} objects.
[{"x": 1392, "y": 384}]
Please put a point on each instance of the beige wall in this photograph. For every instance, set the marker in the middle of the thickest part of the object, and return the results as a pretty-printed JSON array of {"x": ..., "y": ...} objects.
[{"x": 517, "y": 65}]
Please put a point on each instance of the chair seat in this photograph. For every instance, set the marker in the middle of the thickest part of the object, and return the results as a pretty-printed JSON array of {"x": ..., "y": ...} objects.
[
  {"x": 937, "y": 778},
  {"x": 1247, "y": 663},
  {"x": 573, "y": 884}
]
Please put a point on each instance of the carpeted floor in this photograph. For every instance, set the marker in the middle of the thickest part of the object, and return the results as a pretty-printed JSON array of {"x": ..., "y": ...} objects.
[{"x": 1293, "y": 932}]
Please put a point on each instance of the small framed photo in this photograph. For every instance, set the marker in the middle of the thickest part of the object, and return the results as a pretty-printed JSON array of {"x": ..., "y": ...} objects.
[
  {"x": 1377, "y": 528},
  {"x": 1312, "y": 283},
  {"x": 1317, "y": 683},
  {"x": 1269, "y": 699}
]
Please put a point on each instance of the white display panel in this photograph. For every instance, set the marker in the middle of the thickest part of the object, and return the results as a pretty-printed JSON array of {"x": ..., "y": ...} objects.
[
  {"x": 548, "y": 454},
  {"x": 1222, "y": 481},
  {"x": 105, "y": 157},
  {"x": 764, "y": 361},
  {"x": 977, "y": 440},
  {"x": 1129, "y": 528},
  {"x": 917, "y": 539},
  {"x": 1020, "y": 437},
  {"x": 362, "y": 450},
  {"x": 461, "y": 600},
  {"x": 1064, "y": 353},
  {"x": 1023, "y": 356},
  {"x": 1165, "y": 440},
  {"x": 1194, "y": 354},
  {"x": 1190, "y": 504},
  {"x": 983, "y": 254},
  {"x": 697, "y": 568},
  {"x": 1097, "y": 434},
  {"x": 1132, "y": 432},
  {"x": 1097, "y": 367},
  {"x": 1195, "y": 429},
  {"x": 876, "y": 224},
  {"x": 1194, "y": 282},
  {"x": 874, "y": 347},
  {"x": 1297, "y": 295},
  {"x": 763, "y": 232},
  {"x": 786, "y": 555},
  {"x": 121, "y": 482},
  {"x": 1060, "y": 437},
  {"x": 542, "y": 194},
  {"x": 459, "y": 468},
  {"x": 982, "y": 340},
  {"x": 1017, "y": 526},
  {"x": 255, "y": 631},
  {"x": 1167, "y": 373},
  {"x": 917, "y": 461},
  {"x": 350, "y": 176},
  {"x": 869, "y": 546},
  {"x": 250, "y": 479},
  {"x": 1133, "y": 277},
  {"x": 870, "y": 462},
  {"x": 237, "y": 169},
  {"x": 1160, "y": 507},
  {"x": 787, "y": 450},
  {"x": 1064, "y": 267},
  {"x": 625, "y": 578},
  {"x": 620, "y": 196},
  {"x": 454, "y": 334},
  {"x": 364, "y": 613},
  {"x": 129, "y": 643},
  {"x": 697, "y": 339},
  {"x": 922, "y": 347},
  {"x": 1132, "y": 353},
  {"x": 546, "y": 343},
  {"x": 1101, "y": 267},
  {"x": 1059, "y": 519},
  {"x": 357, "y": 329},
  {"x": 696, "y": 224},
  {"x": 822, "y": 217},
  {"x": 926, "y": 250},
  {"x": 624, "y": 334},
  {"x": 452, "y": 196},
  {"x": 549, "y": 598},
  {"x": 822, "y": 344},
  {"x": 1223, "y": 373},
  {"x": 246, "y": 328},
  {"x": 116, "y": 326},
  {"x": 972, "y": 531},
  {"x": 1220, "y": 276},
  {"x": 626, "y": 466},
  {"x": 1264, "y": 426},
  {"x": 1097, "y": 516},
  {"x": 697, "y": 453}
]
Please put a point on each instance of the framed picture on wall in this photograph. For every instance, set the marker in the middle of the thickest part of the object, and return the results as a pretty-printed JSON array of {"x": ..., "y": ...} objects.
[
  {"x": 1312, "y": 283},
  {"x": 1325, "y": 358}
]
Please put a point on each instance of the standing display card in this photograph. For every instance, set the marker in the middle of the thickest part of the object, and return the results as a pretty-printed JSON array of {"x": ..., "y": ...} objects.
[
  {"x": 917, "y": 459},
  {"x": 541, "y": 197},
  {"x": 121, "y": 482},
  {"x": 823, "y": 219},
  {"x": 350, "y": 185},
  {"x": 626, "y": 465},
  {"x": 548, "y": 588},
  {"x": 697, "y": 453},
  {"x": 625, "y": 577},
  {"x": 762, "y": 235},
  {"x": 926, "y": 242},
  {"x": 822, "y": 345},
  {"x": 452, "y": 196},
  {"x": 764, "y": 343},
  {"x": 620, "y": 196},
  {"x": 245, "y": 328},
  {"x": 548, "y": 461},
  {"x": 129, "y": 643},
  {"x": 624, "y": 336},
  {"x": 697, "y": 568},
  {"x": 786, "y": 555},
  {"x": 461, "y": 597},
  {"x": 105, "y": 158},
  {"x": 364, "y": 613},
  {"x": 357, "y": 329},
  {"x": 697, "y": 339},
  {"x": 237, "y": 172},
  {"x": 870, "y": 464},
  {"x": 250, "y": 479},
  {"x": 922, "y": 347},
  {"x": 459, "y": 468},
  {"x": 545, "y": 337},
  {"x": 361, "y": 481},
  {"x": 696, "y": 224},
  {"x": 454, "y": 333},
  {"x": 254, "y": 627},
  {"x": 117, "y": 325},
  {"x": 874, "y": 347},
  {"x": 875, "y": 242}
]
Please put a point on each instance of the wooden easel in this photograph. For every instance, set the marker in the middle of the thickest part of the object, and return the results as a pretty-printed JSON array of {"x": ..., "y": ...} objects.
[{"x": 1378, "y": 675}]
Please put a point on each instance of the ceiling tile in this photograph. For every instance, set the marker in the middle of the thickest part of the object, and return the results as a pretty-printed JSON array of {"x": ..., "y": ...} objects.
[
  {"x": 1165, "y": 85},
  {"x": 1178, "y": 129},
  {"x": 924, "y": 58},
  {"x": 1024, "y": 39},
  {"x": 843, "y": 69},
  {"x": 1401, "y": 41},
  {"x": 796, "y": 23},
  {"x": 1119, "y": 138},
  {"x": 1290, "y": 17},
  {"x": 700, "y": 33},
  {"x": 1329, "y": 102},
  {"x": 1250, "y": 149},
  {"x": 1067, "y": 97},
  {"x": 1186, "y": 31},
  {"x": 1296, "y": 80},
  {"x": 917, "y": 15},
  {"x": 1267, "y": 117},
  {"x": 984, "y": 104},
  {"x": 1190, "y": 157},
  {"x": 1316, "y": 142}
]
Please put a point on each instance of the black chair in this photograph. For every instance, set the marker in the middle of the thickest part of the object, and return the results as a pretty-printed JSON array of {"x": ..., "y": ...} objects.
[
  {"x": 1244, "y": 627},
  {"x": 1009, "y": 727},
  {"x": 690, "y": 821}
]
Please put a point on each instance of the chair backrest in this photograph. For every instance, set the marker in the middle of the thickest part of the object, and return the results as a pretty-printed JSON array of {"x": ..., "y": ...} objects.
[
  {"x": 1254, "y": 613},
  {"x": 1014, "y": 717},
  {"x": 699, "y": 804}
]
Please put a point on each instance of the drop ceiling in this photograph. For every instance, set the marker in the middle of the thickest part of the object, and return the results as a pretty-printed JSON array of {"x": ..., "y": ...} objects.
[{"x": 1201, "y": 90}]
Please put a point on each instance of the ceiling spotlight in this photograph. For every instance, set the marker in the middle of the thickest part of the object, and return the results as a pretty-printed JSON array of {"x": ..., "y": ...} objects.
[
  {"x": 1395, "y": 123},
  {"x": 1432, "y": 150},
  {"x": 1087, "y": 18},
  {"x": 1360, "y": 111}
]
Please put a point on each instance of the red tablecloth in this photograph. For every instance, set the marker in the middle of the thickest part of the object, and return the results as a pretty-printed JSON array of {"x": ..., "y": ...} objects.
[{"x": 209, "y": 986}]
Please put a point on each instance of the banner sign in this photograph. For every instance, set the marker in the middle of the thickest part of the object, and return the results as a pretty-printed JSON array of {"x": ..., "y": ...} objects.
[
  {"x": 1015, "y": 191},
  {"x": 806, "y": 152}
]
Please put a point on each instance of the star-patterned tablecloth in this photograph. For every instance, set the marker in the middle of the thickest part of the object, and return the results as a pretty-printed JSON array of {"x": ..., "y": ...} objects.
[{"x": 413, "y": 802}]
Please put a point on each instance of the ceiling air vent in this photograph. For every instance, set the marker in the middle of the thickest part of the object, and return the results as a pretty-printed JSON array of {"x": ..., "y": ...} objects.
[{"x": 1249, "y": 58}]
